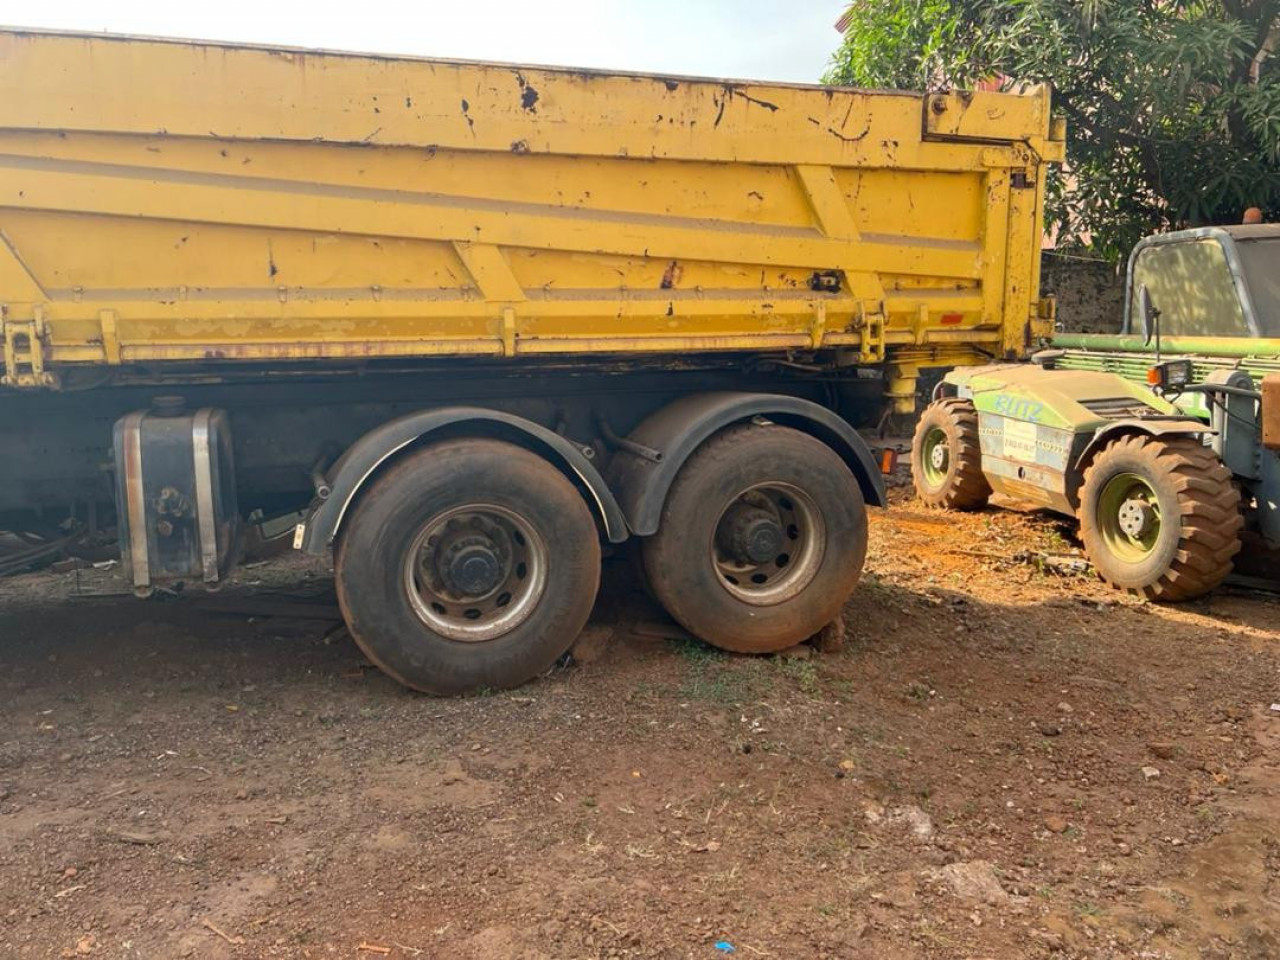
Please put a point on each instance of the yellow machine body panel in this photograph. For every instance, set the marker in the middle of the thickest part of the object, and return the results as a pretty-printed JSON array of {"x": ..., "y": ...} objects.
[{"x": 176, "y": 201}]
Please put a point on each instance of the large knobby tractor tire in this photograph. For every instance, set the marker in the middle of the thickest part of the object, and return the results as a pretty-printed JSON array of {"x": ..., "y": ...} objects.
[
  {"x": 470, "y": 563},
  {"x": 761, "y": 541},
  {"x": 1160, "y": 518},
  {"x": 946, "y": 457}
]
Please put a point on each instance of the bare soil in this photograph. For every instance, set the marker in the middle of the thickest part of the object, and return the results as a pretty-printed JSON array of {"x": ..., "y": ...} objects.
[{"x": 1001, "y": 762}]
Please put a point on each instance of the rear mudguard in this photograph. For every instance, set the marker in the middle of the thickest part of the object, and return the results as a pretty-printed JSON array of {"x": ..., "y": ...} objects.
[
  {"x": 678, "y": 429},
  {"x": 368, "y": 455}
]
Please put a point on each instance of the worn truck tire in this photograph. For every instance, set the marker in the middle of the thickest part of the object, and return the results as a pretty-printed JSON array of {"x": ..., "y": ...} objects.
[
  {"x": 946, "y": 457},
  {"x": 761, "y": 541},
  {"x": 1160, "y": 518},
  {"x": 471, "y": 563}
]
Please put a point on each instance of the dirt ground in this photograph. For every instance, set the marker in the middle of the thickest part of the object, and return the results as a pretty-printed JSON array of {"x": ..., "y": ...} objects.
[{"x": 1001, "y": 762}]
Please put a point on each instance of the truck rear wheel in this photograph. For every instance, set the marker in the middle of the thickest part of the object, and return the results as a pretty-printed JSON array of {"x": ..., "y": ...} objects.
[
  {"x": 1160, "y": 518},
  {"x": 471, "y": 563},
  {"x": 946, "y": 457},
  {"x": 762, "y": 539}
]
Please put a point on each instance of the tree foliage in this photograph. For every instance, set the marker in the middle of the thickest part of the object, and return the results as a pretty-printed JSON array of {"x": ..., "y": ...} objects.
[{"x": 1173, "y": 106}]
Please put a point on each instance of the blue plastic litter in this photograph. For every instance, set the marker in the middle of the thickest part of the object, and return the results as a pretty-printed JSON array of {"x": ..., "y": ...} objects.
[{"x": 724, "y": 946}]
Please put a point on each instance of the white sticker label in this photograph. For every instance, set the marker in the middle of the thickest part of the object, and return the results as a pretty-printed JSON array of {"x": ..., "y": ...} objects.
[
  {"x": 298, "y": 534},
  {"x": 1020, "y": 441}
]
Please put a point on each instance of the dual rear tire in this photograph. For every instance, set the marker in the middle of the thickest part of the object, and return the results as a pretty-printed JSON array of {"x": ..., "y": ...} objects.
[{"x": 474, "y": 563}]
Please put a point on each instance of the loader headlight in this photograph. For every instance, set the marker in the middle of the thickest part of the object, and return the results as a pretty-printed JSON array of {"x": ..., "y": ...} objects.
[{"x": 1170, "y": 375}]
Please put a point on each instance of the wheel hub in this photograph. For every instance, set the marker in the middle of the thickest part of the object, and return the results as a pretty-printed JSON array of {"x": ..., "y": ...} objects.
[
  {"x": 768, "y": 544},
  {"x": 938, "y": 457},
  {"x": 750, "y": 535},
  {"x": 1129, "y": 521},
  {"x": 472, "y": 568},
  {"x": 475, "y": 572},
  {"x": 1136, "y": 518}
]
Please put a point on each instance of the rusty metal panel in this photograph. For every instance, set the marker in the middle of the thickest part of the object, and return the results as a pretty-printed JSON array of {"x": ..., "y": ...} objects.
[
  {"x": 1271, "y": 411},
  {"x": 166, "y": 201}
]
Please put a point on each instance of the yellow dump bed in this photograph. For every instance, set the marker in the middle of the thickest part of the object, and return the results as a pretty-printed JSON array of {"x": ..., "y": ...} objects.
[{"x": 174, "y": 201}]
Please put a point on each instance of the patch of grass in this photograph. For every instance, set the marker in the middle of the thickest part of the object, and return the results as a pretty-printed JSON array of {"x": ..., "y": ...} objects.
[
  {"x": 918, "y": 691},
  {"x": 714, "y": 687},
  {"x": 1055, "y": 537},
  {"x": 1088, "y": 909},
  {"x": 843, "y": 690},
  {"x": 726, "y": 680},
  {"x": 803, "y": 672},
  {"x": 695, "y": 651}
]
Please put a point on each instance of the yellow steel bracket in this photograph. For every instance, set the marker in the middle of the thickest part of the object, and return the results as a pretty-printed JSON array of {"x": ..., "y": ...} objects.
[
  {"x": 829, "y": 206},
  {"x": 110, "y": 336},
  {"x": 818, "y": 326},
  {"x": 1044, "y": 319},
  {"x": 920, "y": 329},
  {"x": 508, "y": 332},
  {"x": 490, "y": 271},
  {"x": 871, "y": 324},
  {"x": 24, "y": 351}
]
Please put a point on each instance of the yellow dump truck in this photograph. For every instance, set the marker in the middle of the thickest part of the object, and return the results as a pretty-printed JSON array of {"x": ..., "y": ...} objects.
[{"x": 475, "y": 322}]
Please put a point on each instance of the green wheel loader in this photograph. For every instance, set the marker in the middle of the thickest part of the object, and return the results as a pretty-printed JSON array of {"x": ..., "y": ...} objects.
[{"x": 1164, "y": 441}]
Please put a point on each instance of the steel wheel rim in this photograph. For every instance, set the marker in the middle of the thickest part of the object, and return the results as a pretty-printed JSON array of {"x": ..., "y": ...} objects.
[
  {"x": 935, "y": 457},
  {"x": 487, "y": 531},
  {"x": 789, "y": 570},
  {"x": 1127, "y": 538}
]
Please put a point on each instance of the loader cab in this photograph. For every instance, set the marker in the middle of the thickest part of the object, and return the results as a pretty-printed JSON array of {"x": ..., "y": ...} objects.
[{"x": 1221, "y": 282}]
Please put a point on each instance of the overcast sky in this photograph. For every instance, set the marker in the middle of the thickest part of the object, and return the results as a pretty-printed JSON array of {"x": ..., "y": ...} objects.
[{"x": 752, "y": 39}]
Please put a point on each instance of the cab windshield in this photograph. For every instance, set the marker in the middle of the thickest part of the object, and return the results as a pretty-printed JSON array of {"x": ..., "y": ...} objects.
[
  {"x": 1261, "y": 262},
  {"x": 1190, "y": 282}
]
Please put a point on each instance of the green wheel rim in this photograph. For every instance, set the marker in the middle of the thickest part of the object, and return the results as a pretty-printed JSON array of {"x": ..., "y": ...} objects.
[
  {"x": 1129, "y": 517},
  {"x": 935, "y": 457}
]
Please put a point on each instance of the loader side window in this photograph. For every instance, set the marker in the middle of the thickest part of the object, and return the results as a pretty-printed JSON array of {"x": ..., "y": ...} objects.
[
  {"x": 1261, "y": 259},
  {"x": 1193, "y": 288}
]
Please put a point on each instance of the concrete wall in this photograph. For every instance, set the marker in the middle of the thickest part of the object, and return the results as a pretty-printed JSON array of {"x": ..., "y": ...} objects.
[{"x": 1090, "y": 294}]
